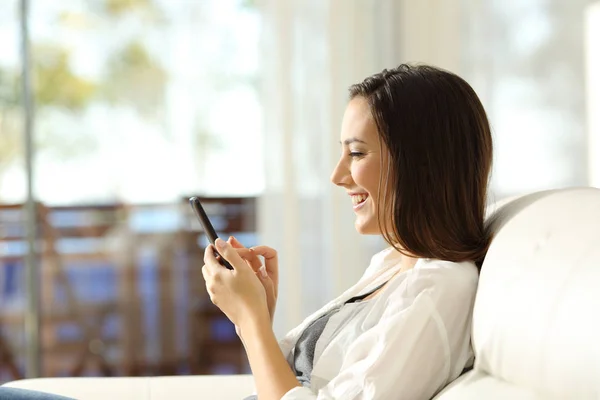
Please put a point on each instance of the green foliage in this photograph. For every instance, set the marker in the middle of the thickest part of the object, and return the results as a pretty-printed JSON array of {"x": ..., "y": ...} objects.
[
  {"x": 117, "y": 8},
  {"x": 9, "y": 89},
  {"x": 55, "y": 84},
  {"x": 250, "y": 4},
  {"x": 10, "y": 141},
  {"x": 132, "y": 77},
  {"x": 135, "y": 79}
]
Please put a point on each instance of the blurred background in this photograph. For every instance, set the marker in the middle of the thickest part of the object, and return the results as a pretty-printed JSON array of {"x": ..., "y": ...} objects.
[{"x": 136, "y": 105}]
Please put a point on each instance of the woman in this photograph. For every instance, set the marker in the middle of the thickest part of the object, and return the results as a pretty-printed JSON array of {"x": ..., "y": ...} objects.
[{"x": 416, "y": 158}]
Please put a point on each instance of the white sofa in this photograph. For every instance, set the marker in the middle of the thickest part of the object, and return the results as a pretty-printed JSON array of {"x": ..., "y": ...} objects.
[{"x": 536, "y": 323}]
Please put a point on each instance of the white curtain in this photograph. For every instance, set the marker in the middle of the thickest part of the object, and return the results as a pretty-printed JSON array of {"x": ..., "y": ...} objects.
[
  {"x": 592, "y": 46},
  {"x": 527, "y": 60},
  {"x": 312, "y": 51}
]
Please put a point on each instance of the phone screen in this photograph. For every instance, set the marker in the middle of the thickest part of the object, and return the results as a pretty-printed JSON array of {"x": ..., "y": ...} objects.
[{"x": 208, "y": 228}]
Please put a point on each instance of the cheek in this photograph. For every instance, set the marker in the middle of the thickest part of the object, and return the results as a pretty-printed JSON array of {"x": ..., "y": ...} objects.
[
  {"x": 366, "y": 175},
  {"x": 356, "y": 171}
]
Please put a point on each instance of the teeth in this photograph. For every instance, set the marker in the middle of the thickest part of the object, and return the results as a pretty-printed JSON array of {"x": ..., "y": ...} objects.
[{"x": 359, "y": 198}]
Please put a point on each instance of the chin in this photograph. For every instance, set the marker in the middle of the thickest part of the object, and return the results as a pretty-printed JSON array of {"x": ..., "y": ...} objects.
[{"x": 366, "y": 229}]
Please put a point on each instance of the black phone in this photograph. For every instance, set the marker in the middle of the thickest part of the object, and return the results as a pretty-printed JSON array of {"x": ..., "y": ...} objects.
[{"x": 208, "y": 228}]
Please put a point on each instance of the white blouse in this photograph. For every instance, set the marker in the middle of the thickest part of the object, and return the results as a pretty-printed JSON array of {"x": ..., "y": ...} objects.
[{"x": 407, "y": 342}]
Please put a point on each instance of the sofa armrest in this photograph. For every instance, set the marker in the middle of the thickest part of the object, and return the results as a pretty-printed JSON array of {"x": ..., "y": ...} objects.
[{"x": 214, "y": 387}]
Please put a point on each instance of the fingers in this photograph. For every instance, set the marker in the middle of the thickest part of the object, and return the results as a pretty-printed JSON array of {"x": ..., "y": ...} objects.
[
  {"x": 271, "y": 264},
  {"x": 208, "y": 272},
  {"x": 250, "y": 257},
  {"x": 262, "y": 272},
  {"x": 211, "y": 264},
  {"x": 246, "y": 254},
  {"x": 267, "y": 252},
  {"x": 229, "y": 253},
  {"x": 235, "y": 243},
  {"x": 205, "y": 272}
]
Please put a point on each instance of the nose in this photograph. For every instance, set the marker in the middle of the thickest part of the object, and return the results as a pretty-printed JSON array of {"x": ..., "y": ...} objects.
[{"x": 341, "y": 174}]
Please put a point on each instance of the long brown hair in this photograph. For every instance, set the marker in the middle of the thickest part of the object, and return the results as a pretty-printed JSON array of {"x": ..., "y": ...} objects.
[{"x": 440, "y": 146}]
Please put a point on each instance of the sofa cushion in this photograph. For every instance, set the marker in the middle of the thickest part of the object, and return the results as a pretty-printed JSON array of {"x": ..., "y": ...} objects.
[
  {"x": 477, "y": 385},
  {"x": 214, "y": 387}
]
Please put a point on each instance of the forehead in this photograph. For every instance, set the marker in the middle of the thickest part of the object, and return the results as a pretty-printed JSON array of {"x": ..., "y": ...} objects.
[{"x": 358, "y": 121}]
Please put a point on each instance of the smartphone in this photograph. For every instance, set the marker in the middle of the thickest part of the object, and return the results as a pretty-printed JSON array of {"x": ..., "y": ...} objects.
[{"x": 208, "y": 228}]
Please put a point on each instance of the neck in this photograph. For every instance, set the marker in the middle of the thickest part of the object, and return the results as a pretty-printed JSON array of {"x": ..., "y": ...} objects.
[
  {"x": 407, "y": 263},
  {"x": 407, "y": 260}
]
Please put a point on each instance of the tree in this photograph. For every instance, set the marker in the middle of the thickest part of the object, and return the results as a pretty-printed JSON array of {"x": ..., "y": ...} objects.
[
  {"x": 56, "y": 87},
  {"x": 120, "y": 7},
  {"x": 135, "y": 79},
  {"x": 9, "y": 100}
]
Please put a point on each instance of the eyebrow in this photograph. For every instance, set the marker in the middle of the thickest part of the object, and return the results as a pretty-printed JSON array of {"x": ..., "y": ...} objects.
[{"x": 353, "y": 140}]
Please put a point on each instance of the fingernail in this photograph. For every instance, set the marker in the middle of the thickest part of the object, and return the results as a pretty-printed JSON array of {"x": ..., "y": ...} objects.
[
  {"x": 263, "y": 272},
  {"x": 221, "y": 244}
]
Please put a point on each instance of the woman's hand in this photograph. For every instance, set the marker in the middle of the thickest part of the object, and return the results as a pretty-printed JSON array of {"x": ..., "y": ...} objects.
[
  {"x": 268, "y": 273},
  {"x": 239, "y": 293}
]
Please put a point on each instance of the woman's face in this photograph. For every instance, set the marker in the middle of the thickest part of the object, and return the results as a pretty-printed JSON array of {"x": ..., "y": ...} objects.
[{"x": 359, "y": 168}]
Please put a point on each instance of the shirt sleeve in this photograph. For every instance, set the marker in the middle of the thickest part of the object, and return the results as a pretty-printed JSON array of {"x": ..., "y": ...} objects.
[{"x": 406, "y": 355}]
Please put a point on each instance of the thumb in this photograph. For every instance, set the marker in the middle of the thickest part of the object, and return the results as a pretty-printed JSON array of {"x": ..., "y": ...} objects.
[{"x": 228, "y": 253}]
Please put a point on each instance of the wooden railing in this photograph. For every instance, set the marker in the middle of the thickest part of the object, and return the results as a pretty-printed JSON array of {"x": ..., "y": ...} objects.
[{"x": 121, "y": 288}]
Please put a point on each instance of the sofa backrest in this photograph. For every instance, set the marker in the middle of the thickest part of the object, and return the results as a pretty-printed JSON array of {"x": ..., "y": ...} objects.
[{"x": 536, "y": 321}]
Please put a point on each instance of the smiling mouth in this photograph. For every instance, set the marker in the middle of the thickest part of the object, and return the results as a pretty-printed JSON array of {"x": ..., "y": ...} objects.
[{"x": 358, "y": 200}]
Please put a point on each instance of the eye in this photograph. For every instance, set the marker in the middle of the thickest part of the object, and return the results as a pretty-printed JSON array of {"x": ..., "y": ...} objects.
[{"x": 356, "y": 154}]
